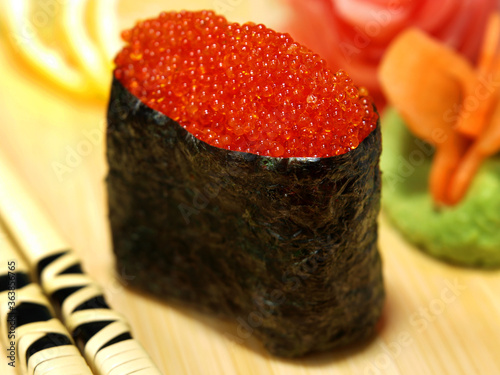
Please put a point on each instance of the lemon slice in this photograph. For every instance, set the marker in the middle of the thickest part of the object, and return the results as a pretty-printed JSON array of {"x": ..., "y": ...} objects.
[
  {"x": 104, "y": 25},
  {"x": 86, "y": 53},
  {"x": 22, "y": 34}
]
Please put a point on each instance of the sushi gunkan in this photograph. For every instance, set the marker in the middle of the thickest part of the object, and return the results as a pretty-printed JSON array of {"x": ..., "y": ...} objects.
[{"x": 244, "y": 180}]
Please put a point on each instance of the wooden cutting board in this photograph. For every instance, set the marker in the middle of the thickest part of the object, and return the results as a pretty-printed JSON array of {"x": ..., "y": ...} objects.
[{"x": 438, "y": 318}]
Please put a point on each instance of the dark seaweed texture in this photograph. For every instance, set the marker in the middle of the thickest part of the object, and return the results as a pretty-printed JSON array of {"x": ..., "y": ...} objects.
[{"x": 287, "y": 246}]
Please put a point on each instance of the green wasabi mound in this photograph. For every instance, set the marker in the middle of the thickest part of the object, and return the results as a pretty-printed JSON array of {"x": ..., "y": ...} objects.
[{"x": 467, "y": 234}]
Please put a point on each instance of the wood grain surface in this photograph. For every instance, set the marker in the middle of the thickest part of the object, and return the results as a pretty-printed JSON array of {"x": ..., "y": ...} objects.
[{"x": 438, "y": 318}]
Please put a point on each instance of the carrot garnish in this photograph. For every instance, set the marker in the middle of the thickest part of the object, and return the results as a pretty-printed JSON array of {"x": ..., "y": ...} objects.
[
  {"x": 485, "y": 146},
  {"x": 448, "y": 103},
  {"x": 481, "y": 96}
]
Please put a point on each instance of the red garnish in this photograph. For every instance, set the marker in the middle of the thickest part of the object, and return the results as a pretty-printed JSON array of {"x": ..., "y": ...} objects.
[
  {"x": 449, "y": 103},
  {"x": 243, "y": 88}
]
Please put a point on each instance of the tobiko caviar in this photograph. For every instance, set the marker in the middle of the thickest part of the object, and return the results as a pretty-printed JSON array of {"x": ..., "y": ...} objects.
[
  {"x": 243, "y": 87},
  {"x": 221, "y": 230}
]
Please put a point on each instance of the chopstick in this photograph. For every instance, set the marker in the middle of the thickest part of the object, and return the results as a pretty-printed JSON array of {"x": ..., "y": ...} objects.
[
  {"x": 35, "y": 340},
  {"x": 102, "y": 334}
]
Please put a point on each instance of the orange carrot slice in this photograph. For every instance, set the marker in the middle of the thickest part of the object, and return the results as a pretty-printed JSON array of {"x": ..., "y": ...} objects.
[
  {"x": 489, "y": 142},
  {"x": 416, "y": 77},
  {"x": 481, "y": 96},
  {"x": 489, "y": 48},
  {"x": 487, "y": 145},
  {"x": 446, "y": 161},
  {"x": 424, "y": 81},
  {"x": 463, "y": 176},
  {"x": 408, "y": 79}
]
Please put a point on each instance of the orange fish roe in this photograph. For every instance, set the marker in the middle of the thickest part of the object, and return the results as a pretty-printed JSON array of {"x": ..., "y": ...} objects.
[{"x": 243, "y": 87}]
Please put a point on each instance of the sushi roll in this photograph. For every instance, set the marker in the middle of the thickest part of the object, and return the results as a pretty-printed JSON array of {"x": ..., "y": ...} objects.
[{"x": 244, "y": 181}]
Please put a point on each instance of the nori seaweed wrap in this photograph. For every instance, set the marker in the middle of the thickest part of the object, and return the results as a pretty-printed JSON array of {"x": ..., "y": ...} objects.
[{"x": 286, "y": 247}]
